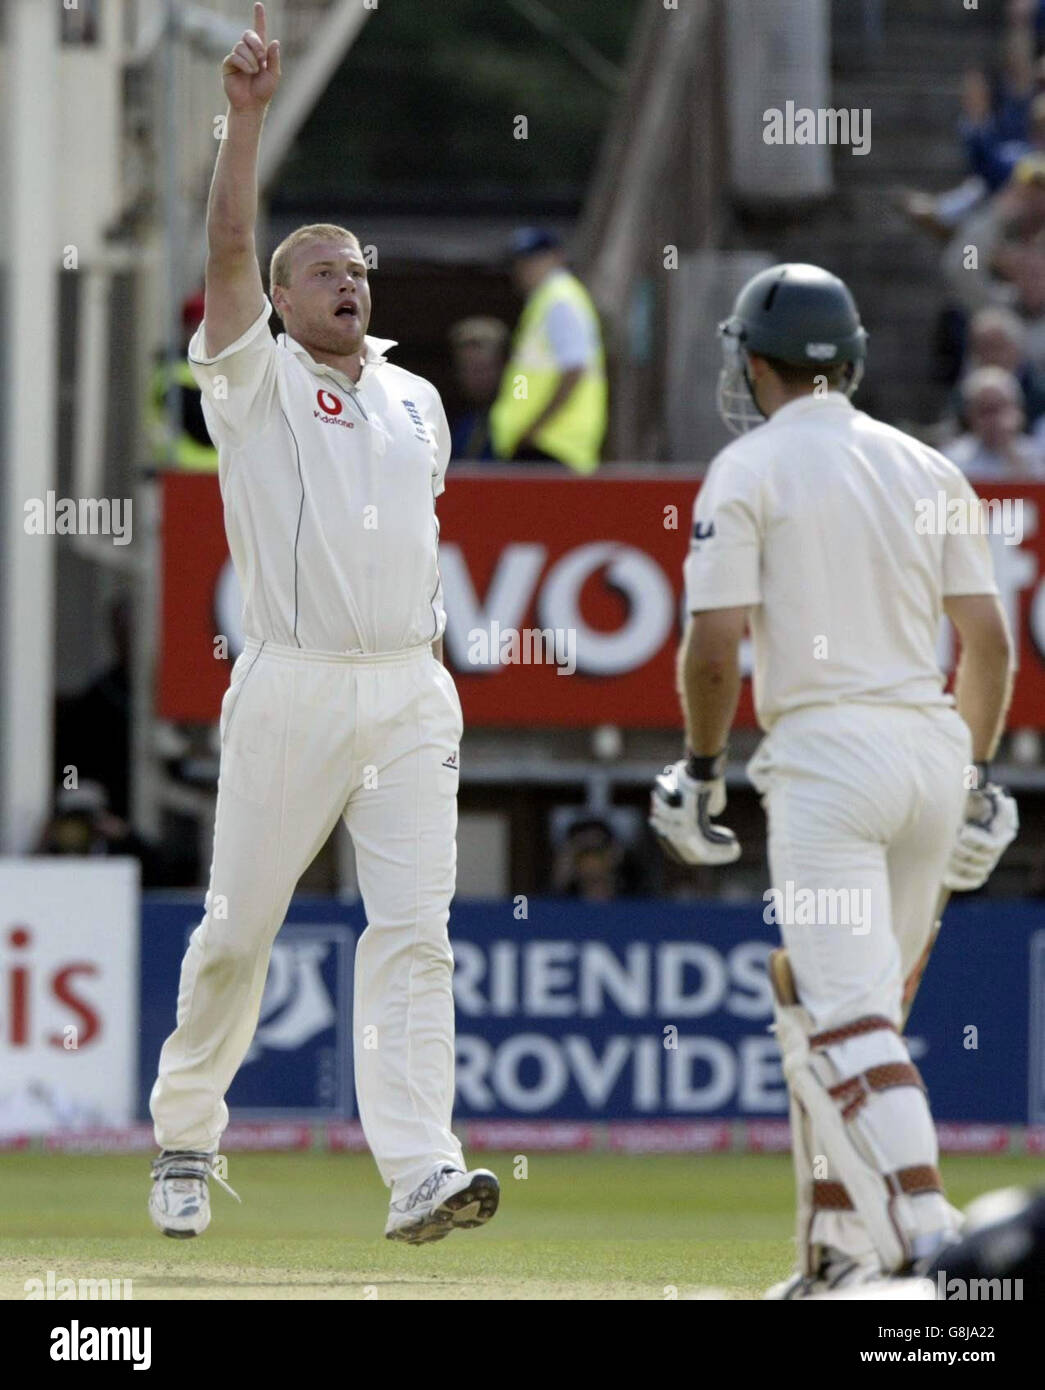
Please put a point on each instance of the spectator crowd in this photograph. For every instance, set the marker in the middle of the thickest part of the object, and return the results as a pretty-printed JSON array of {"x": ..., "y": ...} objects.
[{"x": 993, "y": 229}]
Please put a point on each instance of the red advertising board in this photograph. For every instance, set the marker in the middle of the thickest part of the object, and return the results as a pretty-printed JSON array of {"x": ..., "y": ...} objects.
[{"x": 563, "y": 595}]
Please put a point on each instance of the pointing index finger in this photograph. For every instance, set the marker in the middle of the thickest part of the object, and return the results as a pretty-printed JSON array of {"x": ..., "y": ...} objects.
[{"x": 259, "y": 23}]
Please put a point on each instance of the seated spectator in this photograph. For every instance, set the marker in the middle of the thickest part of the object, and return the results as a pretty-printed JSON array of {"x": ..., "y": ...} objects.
[
  {"x": 998, "y": 338},
  {"x": 1003, "y": 232},
  {"x": 479, "y": 347},
  {"x": 83, "y": 825},
  {"x": 995, "y": 446},
  {"x": 995, "y": 136},
  {"x": 1028, "y": 279},
  {"x": 995, "y": 125},
  {"x": 1002, "y": 120},
  {"x": 593, "y": 862}
]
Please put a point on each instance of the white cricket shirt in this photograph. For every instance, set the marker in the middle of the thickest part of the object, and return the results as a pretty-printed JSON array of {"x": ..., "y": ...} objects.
[
  {"x": 329, "y": 489},
  {"x": 812, "y": 521}
]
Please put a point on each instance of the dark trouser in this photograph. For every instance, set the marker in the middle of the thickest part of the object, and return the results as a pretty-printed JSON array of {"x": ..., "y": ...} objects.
[{"x": 531, "y": 454}]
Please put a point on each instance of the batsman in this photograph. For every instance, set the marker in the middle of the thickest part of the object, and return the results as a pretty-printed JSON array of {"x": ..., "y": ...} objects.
[{"x": 875, "y": 781}]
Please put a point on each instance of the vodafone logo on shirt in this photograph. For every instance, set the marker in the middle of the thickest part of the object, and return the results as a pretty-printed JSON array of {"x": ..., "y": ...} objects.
[{"x": 330, "y": 408}]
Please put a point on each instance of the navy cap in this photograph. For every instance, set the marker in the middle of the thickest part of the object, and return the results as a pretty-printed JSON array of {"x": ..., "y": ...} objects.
[{"x": 527, "y": 241}]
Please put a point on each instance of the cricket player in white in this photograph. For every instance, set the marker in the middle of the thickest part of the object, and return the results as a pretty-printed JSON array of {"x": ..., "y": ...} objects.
[
  {"x": 330, "y": 460},
  {"x": 875, "y": 786}
]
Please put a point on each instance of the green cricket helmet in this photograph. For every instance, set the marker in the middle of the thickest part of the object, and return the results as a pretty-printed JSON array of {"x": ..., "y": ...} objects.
[{"x": 798, "y": 314}]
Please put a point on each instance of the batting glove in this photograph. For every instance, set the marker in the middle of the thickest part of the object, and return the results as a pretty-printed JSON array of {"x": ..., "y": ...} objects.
[
  {"x": 990, "y": 826},
  {"x": 685, "y": 796}
]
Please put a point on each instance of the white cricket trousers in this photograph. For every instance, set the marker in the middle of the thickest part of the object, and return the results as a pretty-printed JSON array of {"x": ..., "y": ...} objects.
[
  {"x": 866, "y": 799},
  {"x": 865, "y": 802},
  {"x": 307, "y": 737}
]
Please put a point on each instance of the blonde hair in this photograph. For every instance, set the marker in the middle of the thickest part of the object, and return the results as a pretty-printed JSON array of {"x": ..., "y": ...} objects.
[{"x": 279, "y": 266}]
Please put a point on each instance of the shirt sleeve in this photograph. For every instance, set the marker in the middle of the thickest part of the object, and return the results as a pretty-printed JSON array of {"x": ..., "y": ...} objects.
[
  {"x": 569, "y": 339},
  {"x": 967, "y": 564},
  {"x": 239, "y": 384},
  {"x": 724, "y": 566},
  {"x": 437, "y": 418}
]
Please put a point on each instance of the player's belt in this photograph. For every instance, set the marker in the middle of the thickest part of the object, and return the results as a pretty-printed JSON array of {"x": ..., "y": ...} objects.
[{"x": 273, "y": 649}]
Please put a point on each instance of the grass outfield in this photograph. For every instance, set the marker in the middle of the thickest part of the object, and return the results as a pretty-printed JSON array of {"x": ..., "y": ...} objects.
[{"x": 603, "y": 1226}]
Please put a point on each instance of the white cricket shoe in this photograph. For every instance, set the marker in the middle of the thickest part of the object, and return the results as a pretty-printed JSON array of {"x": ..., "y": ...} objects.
[
  {"x": 179, "y": 1202},
  {"x": 447, "y": 1200},
  {"x": 837, "y": 1274}
]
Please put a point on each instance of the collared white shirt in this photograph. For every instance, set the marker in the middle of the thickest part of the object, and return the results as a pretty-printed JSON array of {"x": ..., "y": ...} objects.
[
  {"x": 820, "y": 522},
  {"x": 329, "y": 489}
]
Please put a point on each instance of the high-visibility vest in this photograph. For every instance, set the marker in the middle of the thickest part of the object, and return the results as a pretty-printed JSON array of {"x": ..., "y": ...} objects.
[
  {"x": 574, "y": 434},
  {"x": 190, "y": 451}
]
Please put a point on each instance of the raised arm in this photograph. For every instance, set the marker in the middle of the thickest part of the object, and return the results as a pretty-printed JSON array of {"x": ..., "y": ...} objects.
[{"x": 234, "y": 294}]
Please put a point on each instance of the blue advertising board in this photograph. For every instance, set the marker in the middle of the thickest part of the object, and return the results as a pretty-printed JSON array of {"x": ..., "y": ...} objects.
[{"x": 623, "y": 1011}]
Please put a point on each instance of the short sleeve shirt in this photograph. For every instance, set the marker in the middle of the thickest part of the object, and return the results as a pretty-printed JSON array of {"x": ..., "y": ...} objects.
[
  {"x": 842, "y": 536},
  {"x": 328, "y": 488}
]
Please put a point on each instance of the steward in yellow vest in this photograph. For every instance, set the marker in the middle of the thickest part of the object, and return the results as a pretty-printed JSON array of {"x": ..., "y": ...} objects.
[
  {"x": 553, "y": 403},
  {"x": 193, "y": 450}
]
